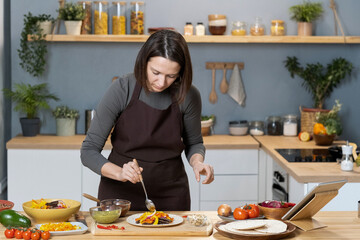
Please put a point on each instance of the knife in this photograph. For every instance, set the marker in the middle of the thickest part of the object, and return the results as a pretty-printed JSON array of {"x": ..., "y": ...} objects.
[{"x": 79, "y": 217}]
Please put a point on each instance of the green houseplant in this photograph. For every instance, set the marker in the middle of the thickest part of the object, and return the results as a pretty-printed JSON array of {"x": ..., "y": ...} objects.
[
  {"x": 32, "y": 53},
  {"x": 305, "y": 14},
  {"x": 30, "y": 99},
  {"x": 72, "y": 14},
  {"x": 65, "y": 120}
]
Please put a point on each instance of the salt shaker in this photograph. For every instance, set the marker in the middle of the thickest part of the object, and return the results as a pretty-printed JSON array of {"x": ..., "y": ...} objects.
[{"x": 346, "y": 161}]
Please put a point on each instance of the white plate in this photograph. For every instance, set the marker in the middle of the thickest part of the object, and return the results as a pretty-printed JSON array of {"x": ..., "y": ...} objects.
[
  {"x": 177, "y": 221},
  {"x": 82, "y": 229}
]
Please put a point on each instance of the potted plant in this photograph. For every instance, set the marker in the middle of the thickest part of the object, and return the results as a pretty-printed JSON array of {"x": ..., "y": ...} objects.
[
  {"x": 32, "y": 53},
  {"x": 305, "y": 14},
  {"x": 320, "y": 82},
  {"x": 29, "y": 100},
  {"x": 65, "y": 120},
  {"x": 327, "y": 126},
  {"x": 72, "y": 14}
]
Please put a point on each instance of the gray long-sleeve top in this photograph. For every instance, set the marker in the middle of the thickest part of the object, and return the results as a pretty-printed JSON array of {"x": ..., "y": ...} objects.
[{"x": 114, "y": 102}]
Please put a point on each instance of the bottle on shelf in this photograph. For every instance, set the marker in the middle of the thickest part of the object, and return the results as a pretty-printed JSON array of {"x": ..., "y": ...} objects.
[
  {"x": 118, "y": 18},
  {"x": 101, "y": 17},
  {"x": 188, "y": 29},
  {"x": 137, "y": 18}
]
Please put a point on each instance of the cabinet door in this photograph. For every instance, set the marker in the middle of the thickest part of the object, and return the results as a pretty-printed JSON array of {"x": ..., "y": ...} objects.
[{"x": 42, "y": 173}]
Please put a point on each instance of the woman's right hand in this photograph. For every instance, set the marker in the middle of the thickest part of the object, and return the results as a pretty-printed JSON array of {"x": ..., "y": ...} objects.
[{"x": 129, "y": 172}]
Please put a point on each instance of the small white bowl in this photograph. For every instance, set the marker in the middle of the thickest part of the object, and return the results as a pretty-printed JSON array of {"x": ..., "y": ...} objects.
[{"x": 238, "y": 128}]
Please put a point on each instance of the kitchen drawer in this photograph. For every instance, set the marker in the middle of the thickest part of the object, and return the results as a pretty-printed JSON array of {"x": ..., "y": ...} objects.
[
  {"x": 230, "y": 187},
  {"x": 233, "y": 161},
  {"x": 213, "y": 205}
]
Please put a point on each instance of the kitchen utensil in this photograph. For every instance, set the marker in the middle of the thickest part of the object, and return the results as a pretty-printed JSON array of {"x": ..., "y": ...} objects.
[
  {"x": 88, "y": 196},
  {"x": 224, "y": 85},
  {"x": 149, "y": 204},
  {"x": 79, "y": 217},
  {"x": 213, "y": 96}
]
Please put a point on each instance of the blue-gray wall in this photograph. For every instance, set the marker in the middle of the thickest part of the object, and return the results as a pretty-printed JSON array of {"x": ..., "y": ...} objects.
[{"x": 79, "y": 73}]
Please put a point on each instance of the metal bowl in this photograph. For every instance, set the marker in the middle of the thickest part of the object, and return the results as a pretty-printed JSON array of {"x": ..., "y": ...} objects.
[{"x": 111, "y": 204}]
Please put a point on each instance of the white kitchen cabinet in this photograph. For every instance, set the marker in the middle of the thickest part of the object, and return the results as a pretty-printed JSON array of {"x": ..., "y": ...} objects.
[
  {"x": 42, "y": 173},
  {"x": 236, "y": 178}
]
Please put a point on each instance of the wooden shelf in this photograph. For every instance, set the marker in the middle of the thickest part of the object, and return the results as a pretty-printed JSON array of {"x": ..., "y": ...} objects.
[{"x": 210, "y": 39}]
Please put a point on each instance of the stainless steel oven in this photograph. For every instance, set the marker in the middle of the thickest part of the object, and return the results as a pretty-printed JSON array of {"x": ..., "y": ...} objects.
[{"x": 280, "y": 187}]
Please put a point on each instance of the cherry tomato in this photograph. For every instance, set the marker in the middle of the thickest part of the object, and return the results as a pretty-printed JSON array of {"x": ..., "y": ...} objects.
[
  {"x": 284, "y": 205},
  {"x": 27, "y": 235},
  {"x": 291, "y": 204},
  {"x": 253, "y": 210},
  {"x": 19, "y": 234},
  {"x": 45, "y": 235},
  {"x": 35, "y": 236},
  {"x": 240, "y": 214},
  {"x": 9, "y": 233}
]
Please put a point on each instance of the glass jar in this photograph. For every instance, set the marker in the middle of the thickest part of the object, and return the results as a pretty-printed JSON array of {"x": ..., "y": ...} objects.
[
  {"x": 188, "y": 29},
  {"x": 256, "y": 128},
  {"x": 137, "y": 18},
  {"x": 290, "y": 125},
  {"x": 258, "y": 28},
  {"x": 101, "y": 17},
  {"x": 200, "y": 29},
  {"x": 86, "y": 22},
  {"x": 238, "y": 28},
  {"x": 273, "y": 126},
  {"x": 118, "y": 18},
  {"x": 277, "y": 28}
]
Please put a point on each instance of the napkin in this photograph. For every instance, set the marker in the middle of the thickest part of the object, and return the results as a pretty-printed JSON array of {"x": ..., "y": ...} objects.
[{"x": 236, "y": 87}]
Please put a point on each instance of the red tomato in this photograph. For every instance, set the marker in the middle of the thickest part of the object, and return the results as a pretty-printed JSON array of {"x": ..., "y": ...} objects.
[
  {"x": 284, "y": 205},
  {"x": 240, "y": 214},
  {"x": 18, "y": 234},
  {"x": 253, "y": 210},
  {"x": 45, "y": 235},
  {"x": 35, "y": 236},
  {"x": 9, "y": 233},
  {"x": 291, "y": 204},
  {"x": 27, "y": 235}
]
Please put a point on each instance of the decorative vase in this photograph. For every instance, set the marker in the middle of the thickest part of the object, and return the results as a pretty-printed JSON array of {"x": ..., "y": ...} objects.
[
  {"x": 304, "y": 29},
  {"x": 45, "y": 27},
  {"x": 73, "y": 27},
  {"x": 30, "y": 126},
  {"x": 65, "y": 126}
]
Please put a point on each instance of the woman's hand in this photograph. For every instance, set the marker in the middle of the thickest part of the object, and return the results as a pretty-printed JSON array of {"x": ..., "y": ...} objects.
[
  {"x": 129, "y": 172},
  {"x": 200, "y": 168}
]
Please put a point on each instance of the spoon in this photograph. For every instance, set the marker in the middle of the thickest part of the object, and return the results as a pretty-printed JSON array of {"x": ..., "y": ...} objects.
[
  {"x": 88, "y": 196},
  {"x": 149, "y": 204},
  {"x": 213, "y": 96},
  {"x": 224, "y": 85}
]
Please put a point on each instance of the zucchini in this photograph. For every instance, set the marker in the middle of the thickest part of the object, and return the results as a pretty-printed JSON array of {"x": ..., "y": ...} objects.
[{"x": 11, "y": 218}]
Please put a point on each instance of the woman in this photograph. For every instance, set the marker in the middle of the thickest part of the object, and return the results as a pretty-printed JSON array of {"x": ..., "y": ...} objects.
[{"x": 156, "y": 114}]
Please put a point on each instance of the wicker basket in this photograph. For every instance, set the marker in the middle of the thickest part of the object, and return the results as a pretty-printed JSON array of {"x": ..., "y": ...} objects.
[{"x": 308, "y": 118}]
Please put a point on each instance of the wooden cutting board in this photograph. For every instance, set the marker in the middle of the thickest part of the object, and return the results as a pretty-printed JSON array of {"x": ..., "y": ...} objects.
[{"x": 183, "y": 229}]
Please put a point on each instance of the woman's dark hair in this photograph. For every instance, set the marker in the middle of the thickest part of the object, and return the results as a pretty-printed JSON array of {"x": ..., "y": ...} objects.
[{"x": 170, "y": 45}]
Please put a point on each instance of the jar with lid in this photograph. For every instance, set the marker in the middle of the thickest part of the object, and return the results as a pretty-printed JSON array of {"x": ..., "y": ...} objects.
[
  {"x": 86, "y": 22},
  {"x": 238, "y": 28},
  {"x": 188, "y": 29},
  {"x": 101, "y": 17},
  {"x": 277, "y": 28},
  {"x": 274, "y": 126},
  {"x": 290, "y": 125},
  {"x": 256, "y": 128},
  {"x": 118, "y": 18},
  {"x": 258, "y": 28},
  {"x": 137, "y": 18},
  {"x": 200, "y": 29}
]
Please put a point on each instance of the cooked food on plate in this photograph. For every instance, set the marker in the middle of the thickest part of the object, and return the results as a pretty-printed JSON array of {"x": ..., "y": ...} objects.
[
  {"x": 150, "y": 218},
  {"x": 42, "y": 204}
]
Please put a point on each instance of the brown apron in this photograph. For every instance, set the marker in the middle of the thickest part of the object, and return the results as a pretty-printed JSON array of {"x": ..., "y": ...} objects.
[{"x": 154, "y": 138}]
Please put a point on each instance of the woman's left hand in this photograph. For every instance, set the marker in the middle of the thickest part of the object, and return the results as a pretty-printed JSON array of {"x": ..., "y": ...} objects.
[{"x": 201, "y": 168}]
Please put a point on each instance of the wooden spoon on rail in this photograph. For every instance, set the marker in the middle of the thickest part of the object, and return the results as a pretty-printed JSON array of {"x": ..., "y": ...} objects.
[
  {"x": 224, "y": 85},
  {"x": 213, "y": 96}
]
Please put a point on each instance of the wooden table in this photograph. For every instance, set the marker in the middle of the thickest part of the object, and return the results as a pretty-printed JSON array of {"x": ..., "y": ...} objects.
[{"x": 340, "y": 225}]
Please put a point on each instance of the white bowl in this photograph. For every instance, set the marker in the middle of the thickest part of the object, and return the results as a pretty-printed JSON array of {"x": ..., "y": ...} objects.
[
  {"x": 238, "y": 131},
  {"x": 207, "y": 123}
]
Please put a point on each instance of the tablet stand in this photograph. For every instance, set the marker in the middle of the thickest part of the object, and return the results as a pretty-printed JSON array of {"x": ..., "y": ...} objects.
[{"x": 303, "y": 218}]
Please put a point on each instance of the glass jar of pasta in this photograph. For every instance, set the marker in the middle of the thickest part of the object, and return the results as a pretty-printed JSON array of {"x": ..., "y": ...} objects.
[
  {"x": 258, "y": 28},
  {"x": 118, "y": 18},
  {"x": 137, "y": 18},
  {"x": 86, "y": 22},
  {"x": 101, "y": 17},
  {"x": 277, "y": 28}
]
